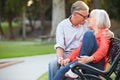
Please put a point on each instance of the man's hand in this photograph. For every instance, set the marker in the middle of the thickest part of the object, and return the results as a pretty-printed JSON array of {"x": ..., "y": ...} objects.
[
  {"x": 66, "y": 61},
  {"x": 108, "y": 34},
  {"x": 60, "y": 60}
]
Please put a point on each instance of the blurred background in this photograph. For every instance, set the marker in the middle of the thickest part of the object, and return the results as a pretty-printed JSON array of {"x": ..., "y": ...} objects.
[
  {"x": 31, "y": 19},
  {"x": 28, "y": 27}
]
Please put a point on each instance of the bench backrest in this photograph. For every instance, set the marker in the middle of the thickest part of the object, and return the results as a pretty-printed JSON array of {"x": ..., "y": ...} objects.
[
  {"x": 114, "y": 49},
  {"x": 114, "y": 56}
]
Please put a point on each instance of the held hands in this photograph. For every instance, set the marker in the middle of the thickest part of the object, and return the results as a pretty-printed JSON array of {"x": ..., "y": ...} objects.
[
  {"x": 66, "y": 61},
  {"x": 62, "y": 61}
]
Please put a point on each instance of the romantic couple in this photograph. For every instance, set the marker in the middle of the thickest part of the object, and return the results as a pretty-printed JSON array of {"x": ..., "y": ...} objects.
[{"x": 82, "y": 39}]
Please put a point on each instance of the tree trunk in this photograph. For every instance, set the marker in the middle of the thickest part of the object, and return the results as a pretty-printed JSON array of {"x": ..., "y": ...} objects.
[
  {"x": 11, "y": 29},
  {"x": 23, "y": 24},
  {"x": 1, "y": 31},
  {"x": 30, "y": 23},
  {"x": 58, "y": 14},
  {"x": 42, "y": 16}
]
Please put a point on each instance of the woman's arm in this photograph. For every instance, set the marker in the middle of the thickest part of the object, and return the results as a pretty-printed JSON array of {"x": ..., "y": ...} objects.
[
  {"x": 102, "y": 50},
  {"x": 74, "y": 54}
]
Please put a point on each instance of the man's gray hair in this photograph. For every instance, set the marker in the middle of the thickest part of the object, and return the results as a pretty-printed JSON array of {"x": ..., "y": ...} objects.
[
  {"x": 79, "y": 5},
  {"x": 102, "y": 18}
]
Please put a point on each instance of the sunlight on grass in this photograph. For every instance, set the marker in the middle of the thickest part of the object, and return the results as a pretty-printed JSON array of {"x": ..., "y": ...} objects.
[
  {"x": 5, "y": 26},
  {"x": 112, "y": 76}
]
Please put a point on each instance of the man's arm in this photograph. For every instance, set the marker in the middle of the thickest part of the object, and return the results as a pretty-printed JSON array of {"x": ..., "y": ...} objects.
[
  {"x": 60, "y": 54},
  {"x": 108, "y": 33}
]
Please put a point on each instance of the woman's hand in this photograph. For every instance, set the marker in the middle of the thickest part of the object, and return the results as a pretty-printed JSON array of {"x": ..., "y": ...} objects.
[{"x": 85, "y": 59}]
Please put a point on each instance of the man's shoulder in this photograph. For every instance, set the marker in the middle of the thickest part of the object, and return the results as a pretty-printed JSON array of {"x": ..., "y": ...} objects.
[{"x": 65, "y": 21}]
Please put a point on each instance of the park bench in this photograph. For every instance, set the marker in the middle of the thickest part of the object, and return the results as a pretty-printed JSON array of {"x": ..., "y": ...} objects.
[{"x": 113, "y": 60}]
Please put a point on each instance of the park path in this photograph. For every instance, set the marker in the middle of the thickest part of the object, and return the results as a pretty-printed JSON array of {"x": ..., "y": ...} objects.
[{"x": 27, "y": 68}]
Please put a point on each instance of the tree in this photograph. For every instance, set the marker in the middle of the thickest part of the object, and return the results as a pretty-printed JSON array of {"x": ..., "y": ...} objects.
[
  {"x": 1, "y": 31},
  {"x": 2, "y": 5},
  {"x": 97, "y": 4},
  {"x": 13, "y": 8},
  {"x": 23, "y": 23},
  {"x": 113, "y": 8},
  {"x": 44, "y": 6},
  {"x": 42, "y": 16},
  {"x": 58, "y": 14}
]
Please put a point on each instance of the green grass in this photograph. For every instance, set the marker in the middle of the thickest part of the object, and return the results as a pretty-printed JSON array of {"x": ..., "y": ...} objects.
[
  {"x": 112, "y": 76},
  {"x": 5, "y": 26},
  {"x": 10, "y": 49},
  {"x": 43, "y": 77}
]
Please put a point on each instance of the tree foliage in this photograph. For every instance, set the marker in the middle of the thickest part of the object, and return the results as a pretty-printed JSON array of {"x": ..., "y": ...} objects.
[
  {"x": 13, "y": 9},
  {"x": 42, "y": 9},
  {"x": 113, "y": 8},
  {"x": 2, "y": 5}
]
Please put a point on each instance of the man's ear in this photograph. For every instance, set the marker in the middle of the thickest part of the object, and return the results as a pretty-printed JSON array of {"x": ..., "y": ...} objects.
[{"x": 74, "y": 14}]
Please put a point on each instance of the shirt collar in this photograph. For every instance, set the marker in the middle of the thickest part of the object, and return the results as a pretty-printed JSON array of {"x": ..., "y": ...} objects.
[
  {"x": 73, "y": 25},
  {"x": 70, "y": 21}
]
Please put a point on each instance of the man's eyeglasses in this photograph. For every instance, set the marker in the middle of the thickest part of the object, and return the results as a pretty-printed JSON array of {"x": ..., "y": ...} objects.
[{"x": 85, "y": 17}]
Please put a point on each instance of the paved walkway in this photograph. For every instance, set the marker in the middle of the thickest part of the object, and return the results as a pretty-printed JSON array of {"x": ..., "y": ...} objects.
[{"x": 30, "y": 68}]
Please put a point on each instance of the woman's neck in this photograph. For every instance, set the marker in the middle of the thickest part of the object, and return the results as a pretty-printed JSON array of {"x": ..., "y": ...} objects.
[{"x": 96, "y": 30}]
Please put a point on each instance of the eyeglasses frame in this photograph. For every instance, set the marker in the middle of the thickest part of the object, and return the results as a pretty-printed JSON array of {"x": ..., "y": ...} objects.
[{"x": 85, "y": 17}]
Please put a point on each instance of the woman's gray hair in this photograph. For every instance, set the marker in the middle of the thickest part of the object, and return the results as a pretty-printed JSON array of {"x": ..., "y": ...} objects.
[
  {"x": 102, "y": 18},
  {"x": 79, "y": 5}
]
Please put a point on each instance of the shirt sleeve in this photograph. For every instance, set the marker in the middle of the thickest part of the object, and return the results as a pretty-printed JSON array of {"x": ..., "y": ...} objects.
[
  {"x": 102, "y": 50},
  {"x": 59, "y": 37}
]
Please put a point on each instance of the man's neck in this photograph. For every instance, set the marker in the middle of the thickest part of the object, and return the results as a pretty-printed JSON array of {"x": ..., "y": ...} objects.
[{"x": 73, "y": 22}]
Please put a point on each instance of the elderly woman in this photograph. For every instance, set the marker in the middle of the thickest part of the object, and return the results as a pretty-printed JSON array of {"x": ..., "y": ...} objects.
[{"x": 94, "y": 47}]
